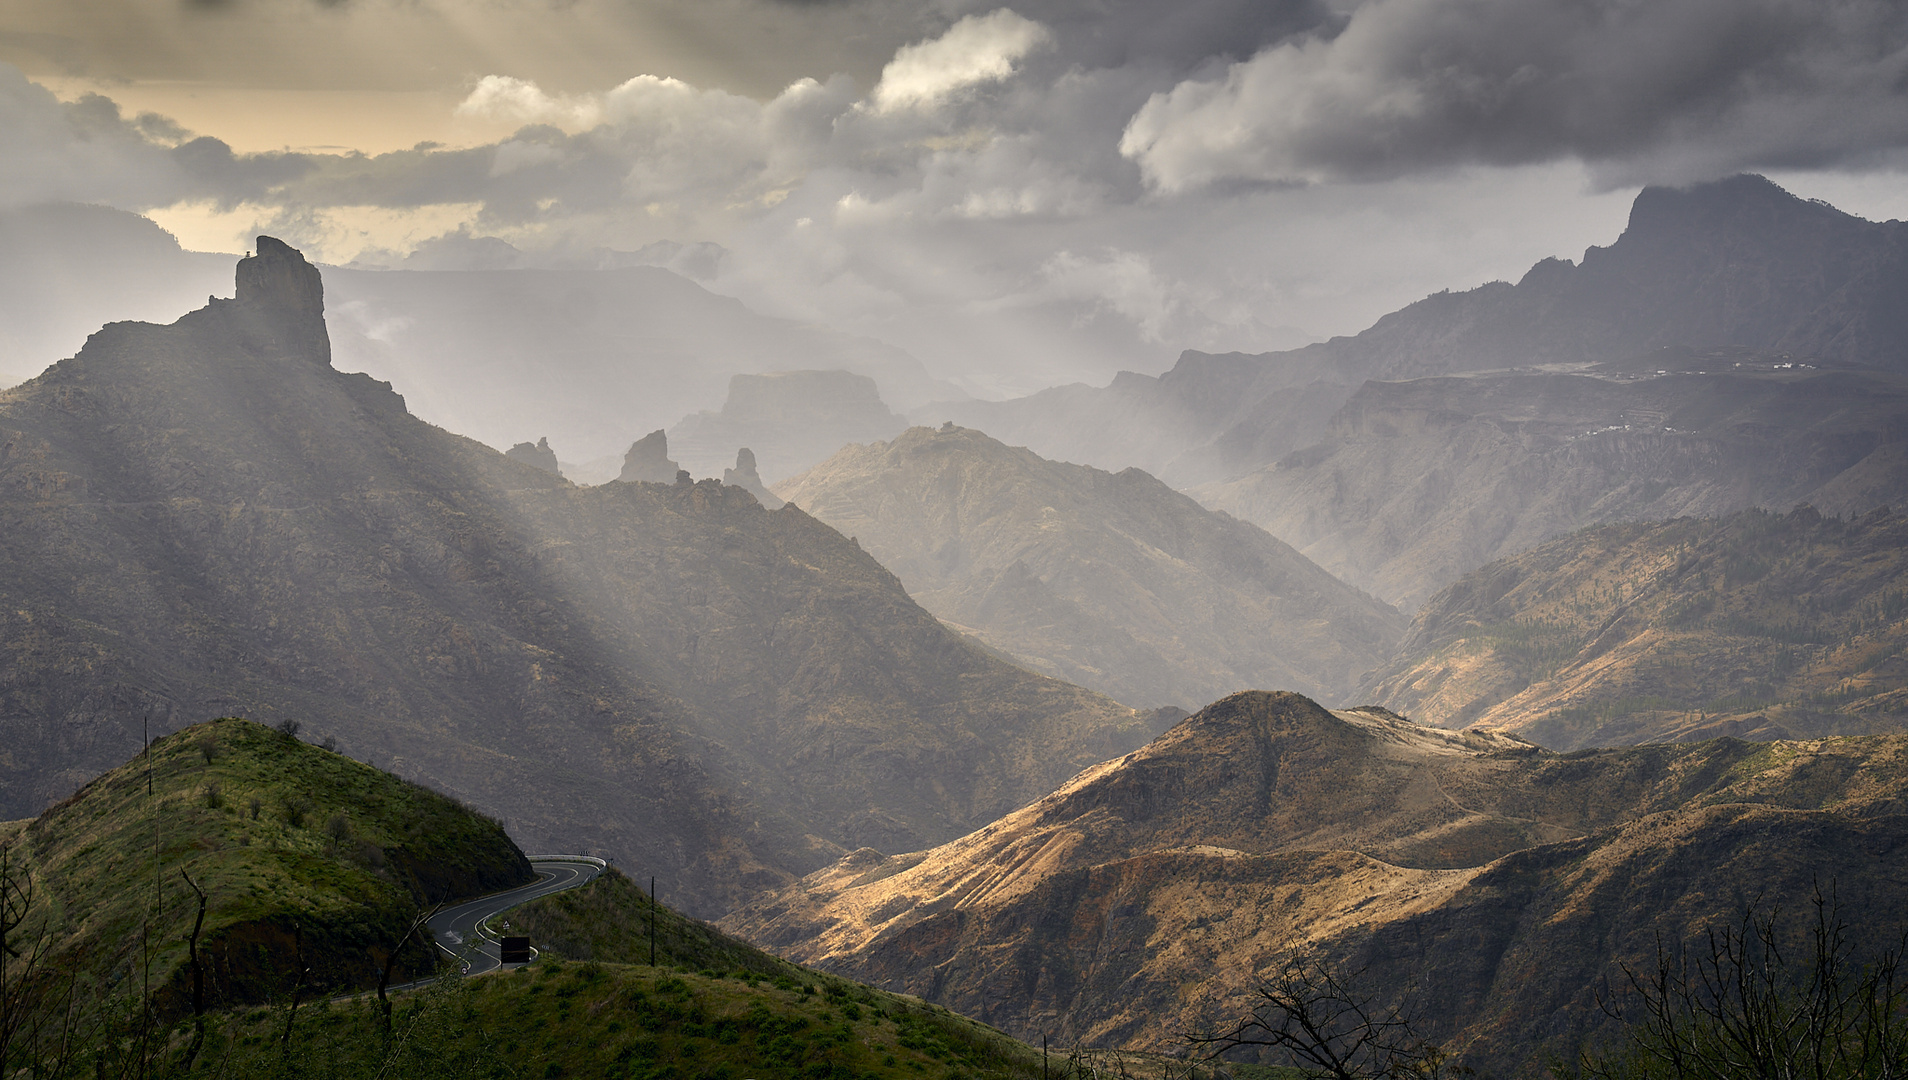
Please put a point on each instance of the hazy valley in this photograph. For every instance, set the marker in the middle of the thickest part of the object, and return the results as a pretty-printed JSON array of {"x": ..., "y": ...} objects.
[{"x": 1479, "y": 652}]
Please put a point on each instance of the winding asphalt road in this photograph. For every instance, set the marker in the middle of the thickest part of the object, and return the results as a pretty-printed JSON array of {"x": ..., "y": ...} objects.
[{"x": 461, "y": 932}]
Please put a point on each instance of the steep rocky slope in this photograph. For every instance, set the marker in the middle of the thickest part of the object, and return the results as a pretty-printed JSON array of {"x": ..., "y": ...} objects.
[
  {"x": 1419, "y": 482},
  {"x": 1494, "y": 885},
  {"x": 1112, "y": 581},
  {"x": 206, "y": 519},
  {"x": 1757, "y": 625},
  {"x": 1737, "y": 262}
]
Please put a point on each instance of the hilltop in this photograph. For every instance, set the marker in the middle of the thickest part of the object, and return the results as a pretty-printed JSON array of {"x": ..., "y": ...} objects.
[
  {"x": 306, "y": 858},
  {"x": 206, "y": 518},
  {"x": 1112, "y": 581},
  {"x": 312, "y": 862},
  {"x": 1757, "y": 625},
  {"x": 1494, "y": 885}
]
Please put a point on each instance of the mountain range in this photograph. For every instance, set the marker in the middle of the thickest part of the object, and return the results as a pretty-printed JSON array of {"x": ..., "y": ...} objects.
[
  {"x": 1415, "y": 483},
  {"x": 1112, "y": 581},
  {"x": 590, "y": 358},
  {"x": 1491, "y": 888},
  {"x": 1733, "y": 263},
  {"x": 206, "y": 518},
  {"x": 1758, "y": 625}
]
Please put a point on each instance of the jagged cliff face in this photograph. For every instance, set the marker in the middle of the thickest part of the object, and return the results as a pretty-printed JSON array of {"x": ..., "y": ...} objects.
[
  {"x": 1112, "y": 581},
  {"x": 1420, "y": 482},
  {"x": 1759, "y": 626},
  {"x": 1496, "y": 885},
  {"x": 200, "y": 520}
]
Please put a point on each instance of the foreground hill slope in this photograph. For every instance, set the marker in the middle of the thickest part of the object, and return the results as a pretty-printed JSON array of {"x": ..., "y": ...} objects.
[
  {"x": 1112, "y": 581},
  {"x": 1757, "y": 625},
  {"x": 1417, "y": 483},
  {"x": 305, "y": 857},
  {"x": 207, "y": 519},
  {"x": 1495, "y": 884}
]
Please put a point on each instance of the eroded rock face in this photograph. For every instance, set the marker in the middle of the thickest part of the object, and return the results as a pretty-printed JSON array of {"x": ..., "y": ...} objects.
[
  {"x": 745, "y": 477},
  {"x": 537, "y": 455},
  {"x": 289, "y": 293},
  {"x": 648, "y": 461}
]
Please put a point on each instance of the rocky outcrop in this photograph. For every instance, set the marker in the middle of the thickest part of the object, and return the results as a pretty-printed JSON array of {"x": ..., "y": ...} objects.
[
  {"x": 791, "y": 419},
  {"x": 1492, "y": 888},
  {"x": 536, "y": 455},
  {"x": 745, "y": 477},
  {"x": 193, "y": 528},
  {"x": 286, "y": 296},
  {"x": 648, "y": 461},
  {"x": 1112, "y": 581}
]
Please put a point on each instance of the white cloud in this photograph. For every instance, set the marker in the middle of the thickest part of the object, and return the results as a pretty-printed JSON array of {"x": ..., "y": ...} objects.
[
  {"x": 504, "y": 97},
  {"x": 976, "y": 50}
]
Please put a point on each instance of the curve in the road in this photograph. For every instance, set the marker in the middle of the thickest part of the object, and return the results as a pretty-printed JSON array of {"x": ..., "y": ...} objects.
[{"x": 461, "y": 930}]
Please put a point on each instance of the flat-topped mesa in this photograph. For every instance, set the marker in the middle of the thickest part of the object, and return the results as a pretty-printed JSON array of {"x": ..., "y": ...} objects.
[
  {"x": 648, "y": 461},
  {"x": 288, "y": 293}
]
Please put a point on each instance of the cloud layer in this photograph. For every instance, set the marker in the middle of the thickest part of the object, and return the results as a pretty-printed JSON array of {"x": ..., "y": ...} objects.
[
  {"x": 1060, "y": 188},
  {"x": 1642, "y": 91}
]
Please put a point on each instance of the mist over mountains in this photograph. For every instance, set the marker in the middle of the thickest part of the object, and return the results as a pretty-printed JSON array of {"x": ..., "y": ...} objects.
[
  {"x": 589, "y": 358},
  {"x": 206, "y": 518},
  {"x": 905, "y": 725},
  {"x": 1112, "y": 581},
  {"x": 1736, "y": 262}
]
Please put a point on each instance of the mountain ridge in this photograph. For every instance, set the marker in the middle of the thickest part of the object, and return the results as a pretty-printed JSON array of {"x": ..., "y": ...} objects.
[
  {"x": 203, "y": 521},
  {"x": 1471, "y": 875},
  {"x": 1112, "y": 581}
]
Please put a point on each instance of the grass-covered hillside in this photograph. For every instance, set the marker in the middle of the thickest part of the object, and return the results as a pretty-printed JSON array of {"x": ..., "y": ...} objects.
[
  {"x": 610, "y": 919},
  {"x": 307, "y": 859},
  {"x": 1757, "y": 625},
  {"x": 557, "y": 1018}
]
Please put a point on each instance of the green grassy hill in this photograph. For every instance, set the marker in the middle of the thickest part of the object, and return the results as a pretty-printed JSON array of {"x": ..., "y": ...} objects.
[
  {"x": 306, "y": 858},
  {"x": 556, "y": 1018}
]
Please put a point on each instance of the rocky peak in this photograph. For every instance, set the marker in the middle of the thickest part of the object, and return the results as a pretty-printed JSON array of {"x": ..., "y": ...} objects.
[
  {"x": 648, "y": 461},
  {"x": 745, "y": 477},
  {"x": 288, "y": 294},
  {"x": 537, "y": 455}
]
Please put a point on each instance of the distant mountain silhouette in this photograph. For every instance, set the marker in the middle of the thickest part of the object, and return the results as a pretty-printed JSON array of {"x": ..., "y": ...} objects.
[{"x": 1736, "y": 262}]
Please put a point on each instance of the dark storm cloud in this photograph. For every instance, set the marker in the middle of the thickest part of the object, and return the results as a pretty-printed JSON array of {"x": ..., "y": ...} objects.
[{"x": 1663, "y": 90}]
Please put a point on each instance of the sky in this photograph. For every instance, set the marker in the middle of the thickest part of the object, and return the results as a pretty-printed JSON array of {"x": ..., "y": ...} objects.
[{"x": 1021, "y": 194}]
